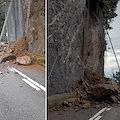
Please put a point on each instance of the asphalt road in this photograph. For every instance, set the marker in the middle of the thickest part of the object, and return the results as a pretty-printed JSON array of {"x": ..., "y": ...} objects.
[
  {"x": 72, "y": 114},
  {"x": 18, "y": 100},
  {"x": 106, "y": 113},
  {"x": 113, "y": 114}
]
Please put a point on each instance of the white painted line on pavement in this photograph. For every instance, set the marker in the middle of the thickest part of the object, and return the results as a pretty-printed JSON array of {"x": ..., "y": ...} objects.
[
  {"x": 98, "y": 118},
  {"x": 108, "y": 109},
  {"x": 32, "y": 81},
  {"x": 10, "y": 69},
  {"x": 97, "y": 114},
  {"x": 29, "y": 83},
  {"x": 26, "y": 77}
]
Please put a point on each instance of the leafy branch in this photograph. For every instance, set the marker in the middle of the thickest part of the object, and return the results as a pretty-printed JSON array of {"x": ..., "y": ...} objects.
[{"x": 109, "y": 12}]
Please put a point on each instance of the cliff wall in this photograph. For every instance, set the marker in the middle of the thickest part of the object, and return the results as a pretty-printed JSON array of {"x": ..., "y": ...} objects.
[
  {"x": 27, "y": 18},
  {"x": 75, "y": 42}
]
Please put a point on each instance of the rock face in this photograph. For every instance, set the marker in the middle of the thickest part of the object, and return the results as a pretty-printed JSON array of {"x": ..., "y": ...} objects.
[
  {"x": 27, "y": 18},
  {"x": 24, "y": 60},
  {"x": 35, "y": 25},
  {"x": 75, "y": 41}
]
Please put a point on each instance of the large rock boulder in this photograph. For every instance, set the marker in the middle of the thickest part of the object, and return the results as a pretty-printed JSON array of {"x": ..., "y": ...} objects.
[
  {"x": 97, "y": 87},
  {"x": 104, "y": 89},
  {"x": 24, "y": 60},
  {"x": 7, "y": 56}
]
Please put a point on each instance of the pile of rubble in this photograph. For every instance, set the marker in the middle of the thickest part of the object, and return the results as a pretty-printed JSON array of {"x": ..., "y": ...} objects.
[
  {"x": 17, "y": 50},
  {"x": 95, "y": 90}
]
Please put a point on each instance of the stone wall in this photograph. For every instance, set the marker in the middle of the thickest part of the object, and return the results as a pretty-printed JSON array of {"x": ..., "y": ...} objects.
[{"x": 75, "y": 42}]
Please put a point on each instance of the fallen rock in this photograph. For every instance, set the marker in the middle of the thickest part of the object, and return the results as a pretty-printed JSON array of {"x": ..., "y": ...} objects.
[
  {"x": 24, "y": 60},
  {"x": 97, "y": 106},
  {"x": 2, "y": 46},
  {"x": 86, "y": 105},
  {"x": 83, "y": 101},
  {"x": 118, "y": 97},
  {"x": 6, "y": 57},
  {"x": 65, "y": 103},
  {"x": 18, "y": 48},
  {"x": 103, "y": 89},
  {"x": 97, "y": 88},
  {"x": 72, "y": 100},
  {"x": 1, "y": 53},
  {"x": 113, "y": 99}
]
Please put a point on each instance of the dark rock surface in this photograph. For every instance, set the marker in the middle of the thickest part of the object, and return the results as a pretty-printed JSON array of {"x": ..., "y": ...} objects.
[{"x": 75, "y": 42}]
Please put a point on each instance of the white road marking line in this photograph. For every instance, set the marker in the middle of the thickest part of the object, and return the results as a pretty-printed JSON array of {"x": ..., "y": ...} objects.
[
  {"x": 43, "y": 88},
  {"x": 97, "y": 114},
  {"x": 29, "y": 83},
  {"x": 32, "y": 81},
  {"x": 10, "y": 69},
  {"x": 108, "y": 109},
  {"x": 98, "y": 118},
  {"x": 23, "y": 75}
]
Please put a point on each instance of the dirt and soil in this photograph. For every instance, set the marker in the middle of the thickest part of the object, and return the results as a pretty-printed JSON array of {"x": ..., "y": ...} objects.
[
  {"x": 93, "y": 91},
  {"x": 95, "y": 86},
  {"x": 18, "y": 48},
  {"x": 15, "y": 53}
]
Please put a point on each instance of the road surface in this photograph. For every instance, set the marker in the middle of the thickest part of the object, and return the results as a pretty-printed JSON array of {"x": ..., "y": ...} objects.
[
  {"x": 106, "y": 113},
  {"x": 18, "y": 100}
]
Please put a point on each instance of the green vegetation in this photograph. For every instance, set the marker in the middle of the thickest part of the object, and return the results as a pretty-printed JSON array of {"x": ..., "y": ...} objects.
[
  {"x": 109, "y": 12},
  {"x": 57, "y": 100},
  {"x": 37, "y": 59}
]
